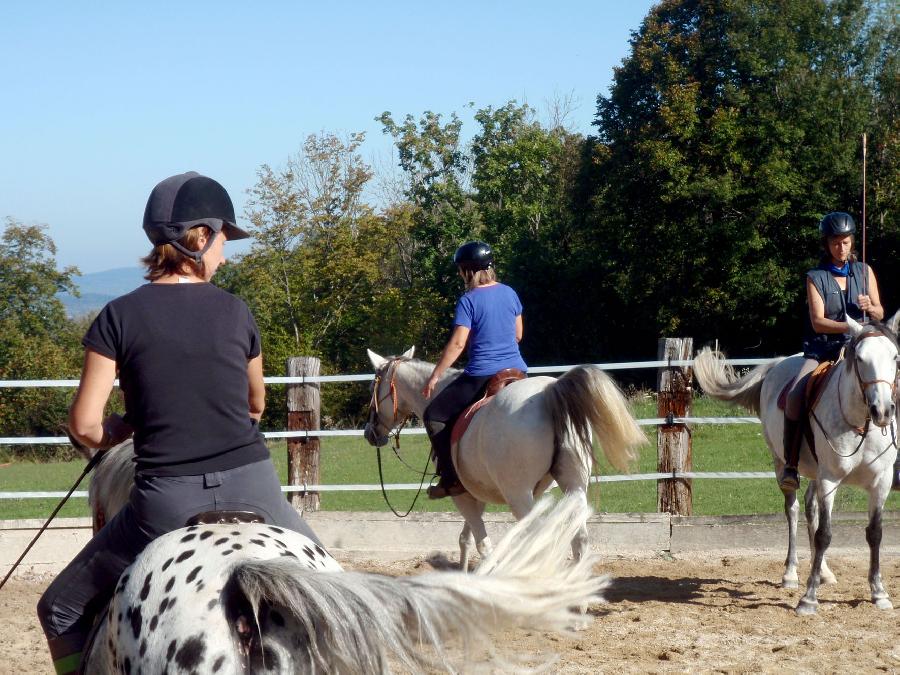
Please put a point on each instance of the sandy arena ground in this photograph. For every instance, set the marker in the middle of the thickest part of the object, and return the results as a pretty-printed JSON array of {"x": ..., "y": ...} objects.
[{"x": 710, "y": 612}]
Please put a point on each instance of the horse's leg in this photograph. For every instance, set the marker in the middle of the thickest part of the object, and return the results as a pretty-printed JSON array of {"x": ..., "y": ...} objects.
[
  {"x": 873, "y": 537},
  {"x": 465, "y": 546},
  {"x": 826, "y": 576},
  {"x": 472, "y": 511},
  {"x": 825, "y": 491},
  {"x": 792, "y": 512},
  {"x": 572, "y": 473}
]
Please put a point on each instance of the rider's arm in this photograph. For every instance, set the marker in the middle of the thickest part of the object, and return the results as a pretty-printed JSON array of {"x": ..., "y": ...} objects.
[
  {"x": 455, "y": 346},
  {"x": 871, "y": 303},
  {"x": 86, "y": 421},
  {"x": 816, "y": 304},
  {"x": 520, "y": 330},
  {"x": 256, "y": 396}
]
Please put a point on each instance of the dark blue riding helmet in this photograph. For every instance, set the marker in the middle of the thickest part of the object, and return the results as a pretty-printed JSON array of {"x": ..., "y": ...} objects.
[{"x": 837, "y": 224}]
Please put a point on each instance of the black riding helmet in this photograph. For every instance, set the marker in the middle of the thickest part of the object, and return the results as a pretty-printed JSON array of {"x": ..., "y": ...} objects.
[
  {"x": 837, "y": 224},
  {"x": 474, "y": 255},
  {"x": 187, "y": 200}
]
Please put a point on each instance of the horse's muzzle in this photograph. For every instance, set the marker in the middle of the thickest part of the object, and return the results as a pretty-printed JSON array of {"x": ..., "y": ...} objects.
[{"x": 372, "y": 436}]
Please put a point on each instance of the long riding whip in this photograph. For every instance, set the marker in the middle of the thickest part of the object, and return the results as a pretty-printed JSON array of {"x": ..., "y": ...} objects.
[
  {"x": 865, "y": 269},
  {"x": 87, "y": 469}
]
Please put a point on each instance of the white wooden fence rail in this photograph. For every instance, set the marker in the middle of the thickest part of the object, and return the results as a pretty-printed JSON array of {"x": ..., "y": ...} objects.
[{"x": 628, "y": 365}]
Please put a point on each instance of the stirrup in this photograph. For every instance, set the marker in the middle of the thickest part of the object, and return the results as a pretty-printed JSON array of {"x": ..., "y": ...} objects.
[{"x": 790, "y": 480}]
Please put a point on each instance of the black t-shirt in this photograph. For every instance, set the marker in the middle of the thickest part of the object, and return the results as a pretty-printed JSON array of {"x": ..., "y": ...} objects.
[{"x": 182, "y": 351}]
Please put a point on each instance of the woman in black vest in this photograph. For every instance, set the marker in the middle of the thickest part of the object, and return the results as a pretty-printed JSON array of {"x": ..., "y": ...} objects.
[{"x": 839, "y": 287}]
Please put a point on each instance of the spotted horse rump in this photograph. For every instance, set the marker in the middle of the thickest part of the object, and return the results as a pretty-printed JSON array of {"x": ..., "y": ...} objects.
[{"x": 182, "y": 606}]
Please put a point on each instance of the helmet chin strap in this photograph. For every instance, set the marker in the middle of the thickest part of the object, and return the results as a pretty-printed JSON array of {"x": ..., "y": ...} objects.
[{"x": 196, "y": 256}]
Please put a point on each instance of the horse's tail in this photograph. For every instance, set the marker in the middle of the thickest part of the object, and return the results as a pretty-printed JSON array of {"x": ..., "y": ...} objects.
[
  {"x": 361, "y": 622},
  {"x": 586, "y": 398},
  {"x": 111, "y": 483},
  {"x": 719, "y": 380}
]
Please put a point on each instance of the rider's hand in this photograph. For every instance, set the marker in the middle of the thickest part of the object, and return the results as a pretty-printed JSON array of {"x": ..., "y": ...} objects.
[
  {"x": 428, "y": 389},
  {"x": 115, "y": 430},
  {"x": 864, "y": 302}
]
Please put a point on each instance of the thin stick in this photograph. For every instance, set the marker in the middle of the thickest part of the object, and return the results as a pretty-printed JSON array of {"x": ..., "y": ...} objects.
[
  {"x": 865, "y": 269},
  {"x": 87, "y": 469}
]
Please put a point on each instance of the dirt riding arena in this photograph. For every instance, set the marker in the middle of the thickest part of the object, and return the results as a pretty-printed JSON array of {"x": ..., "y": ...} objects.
[{"x": 710, "y": 612}]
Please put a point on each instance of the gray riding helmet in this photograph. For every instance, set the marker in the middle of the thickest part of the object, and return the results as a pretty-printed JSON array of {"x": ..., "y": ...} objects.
[{"x": 184, "y": 201}]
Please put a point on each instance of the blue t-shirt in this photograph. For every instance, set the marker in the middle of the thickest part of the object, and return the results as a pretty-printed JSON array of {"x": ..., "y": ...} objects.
[{"x": 489, "y": 312}]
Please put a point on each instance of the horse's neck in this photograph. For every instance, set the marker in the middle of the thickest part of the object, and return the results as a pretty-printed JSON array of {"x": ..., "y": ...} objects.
[
  {"x": 410, "y": 380},
  {"x": 852, "y": 402}
]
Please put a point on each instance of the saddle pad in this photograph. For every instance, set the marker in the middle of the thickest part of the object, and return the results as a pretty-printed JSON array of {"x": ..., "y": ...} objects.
[
  {"x": 497, "y": 382},
  {"x": 815, "y": 384}
]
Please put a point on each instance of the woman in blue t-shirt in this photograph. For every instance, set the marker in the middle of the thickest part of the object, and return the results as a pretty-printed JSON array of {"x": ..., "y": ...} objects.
[
  {"x": 838, "y": 287},
  {"x": 189, "y": 363},
  {"x": 489, "y": 318}
]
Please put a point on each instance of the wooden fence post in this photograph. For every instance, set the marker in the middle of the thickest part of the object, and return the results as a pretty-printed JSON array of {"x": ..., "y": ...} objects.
[
  {"x": 673, "y": 441},
  {"x": 303, "y": 404}
]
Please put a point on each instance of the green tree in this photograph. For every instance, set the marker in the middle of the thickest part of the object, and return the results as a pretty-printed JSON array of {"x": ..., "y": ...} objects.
[
  {"x": 37, "y": 340},
  {"x": 325, "y": 275},
  {"x": 731, "y": 127}
]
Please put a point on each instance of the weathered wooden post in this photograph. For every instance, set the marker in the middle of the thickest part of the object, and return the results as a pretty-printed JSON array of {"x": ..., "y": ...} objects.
[
  {"x": 673, "y": 441},
  {"x": 303, "y": 404}
]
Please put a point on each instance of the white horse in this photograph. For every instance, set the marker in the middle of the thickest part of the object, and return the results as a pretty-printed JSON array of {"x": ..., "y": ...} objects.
[
  {"x": 858, "y": 394},
  {"x": 254, "y": 597},
  {"x": 535, "y": 431}
]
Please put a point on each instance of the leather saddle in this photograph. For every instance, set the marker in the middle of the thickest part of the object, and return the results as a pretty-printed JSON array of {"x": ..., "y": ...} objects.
[
  {"x": 497, "y": 382},
  {"x": 812, "y": 392}
]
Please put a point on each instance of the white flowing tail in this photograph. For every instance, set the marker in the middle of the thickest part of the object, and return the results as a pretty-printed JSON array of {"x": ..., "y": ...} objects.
[
  {"x": 586, "y": 399},
  {"x": 363, "y": 623},
  {"x": 719, "y": 380}
]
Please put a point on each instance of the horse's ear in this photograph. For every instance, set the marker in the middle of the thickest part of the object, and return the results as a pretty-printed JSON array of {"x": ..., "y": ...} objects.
[
  {"x": 408, "y": 354},
  {"x": 855, "y": 328},
  {"x": 894, "y": 322},
  {"x": 377, "y": 361}
]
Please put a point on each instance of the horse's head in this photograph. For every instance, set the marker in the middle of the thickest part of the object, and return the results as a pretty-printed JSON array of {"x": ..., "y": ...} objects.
[
  {"x": 873, "y": 356},
  {"x": 385, "y": 409}
]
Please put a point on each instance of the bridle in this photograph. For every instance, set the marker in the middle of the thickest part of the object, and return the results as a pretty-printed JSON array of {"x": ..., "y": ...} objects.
[
  {"x": 389, "y": 372},
  {"x": 863, "y": 431}
]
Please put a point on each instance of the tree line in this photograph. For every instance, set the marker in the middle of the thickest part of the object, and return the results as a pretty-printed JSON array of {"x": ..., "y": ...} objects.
[{"x": 690, "y": 209}]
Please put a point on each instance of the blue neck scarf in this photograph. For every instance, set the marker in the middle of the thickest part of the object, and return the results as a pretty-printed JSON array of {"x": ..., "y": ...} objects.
[{"x": 839, "y": 271}]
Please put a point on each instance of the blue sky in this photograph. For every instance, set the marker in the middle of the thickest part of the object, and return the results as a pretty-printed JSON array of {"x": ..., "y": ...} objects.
[{"x": 101, "y": 100}]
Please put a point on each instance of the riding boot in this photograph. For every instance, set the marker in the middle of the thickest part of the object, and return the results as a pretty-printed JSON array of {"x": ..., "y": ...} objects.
[
  {"x": 793, "y": 437},
  {"x": 448, "y": 485},
  {"x": 896, "y": 485}
]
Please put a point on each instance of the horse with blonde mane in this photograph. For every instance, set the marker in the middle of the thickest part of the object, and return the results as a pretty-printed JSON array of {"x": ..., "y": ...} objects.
[{"x": 535, "y": 431}]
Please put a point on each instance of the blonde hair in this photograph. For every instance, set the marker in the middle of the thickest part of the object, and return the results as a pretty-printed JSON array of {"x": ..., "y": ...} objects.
[
  {"x": 475, "y": 278},
  {"x": 165, "y": 259}
]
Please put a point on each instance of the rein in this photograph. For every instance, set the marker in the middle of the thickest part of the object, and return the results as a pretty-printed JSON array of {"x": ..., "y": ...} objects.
[
  {"x": 374, "y": 409},
  {"x": 863, "y": 431}
]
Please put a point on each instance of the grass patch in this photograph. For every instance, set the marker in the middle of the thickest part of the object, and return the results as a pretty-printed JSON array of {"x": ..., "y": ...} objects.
[{"x": 716, "y": 447}]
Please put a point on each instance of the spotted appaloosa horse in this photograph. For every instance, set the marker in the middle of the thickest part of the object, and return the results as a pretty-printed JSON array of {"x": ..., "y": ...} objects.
[{"x": 254, "y": 597}]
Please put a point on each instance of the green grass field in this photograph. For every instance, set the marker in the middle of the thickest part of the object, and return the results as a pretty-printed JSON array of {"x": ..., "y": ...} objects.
[{"x": 716, "y": 447}]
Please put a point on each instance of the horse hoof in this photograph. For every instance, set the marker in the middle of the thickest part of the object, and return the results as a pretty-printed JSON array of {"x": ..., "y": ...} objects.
[
  {"x": 790, "y": 583},
  {"x": 883, "y": 603},
  {"x": 806, "y": 608},
  {"x": 827, "y": 579}
]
